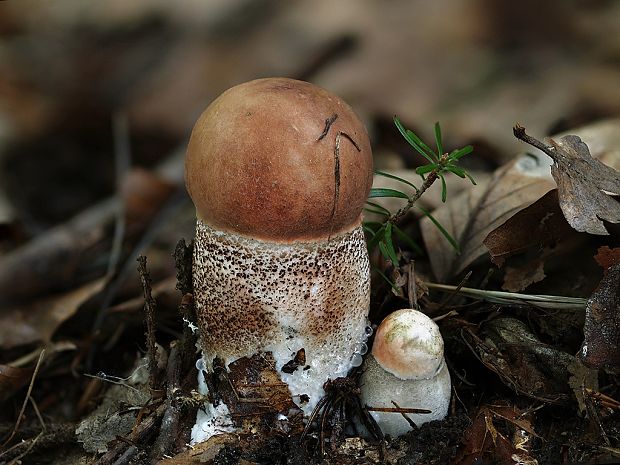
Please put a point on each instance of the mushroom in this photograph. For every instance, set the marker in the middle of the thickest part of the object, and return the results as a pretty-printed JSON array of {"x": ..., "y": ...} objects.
[
  {"x": 279, "y": 171},
  {"x": 406, "y": 368}
]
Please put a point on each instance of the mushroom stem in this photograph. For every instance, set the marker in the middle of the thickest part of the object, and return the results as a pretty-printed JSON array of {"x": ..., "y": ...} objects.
[
  {"x": 406, "y": 368},
  {"x": 257, "y": 296}
]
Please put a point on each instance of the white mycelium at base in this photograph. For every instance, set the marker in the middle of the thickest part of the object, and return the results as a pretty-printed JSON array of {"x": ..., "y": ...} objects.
[
  {"x": 210, "y": 420},
  {"x": 257, "y": 296}
]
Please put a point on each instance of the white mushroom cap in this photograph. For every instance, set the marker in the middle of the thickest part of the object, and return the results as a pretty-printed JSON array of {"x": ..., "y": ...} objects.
[{"x": 409, "y": 345}]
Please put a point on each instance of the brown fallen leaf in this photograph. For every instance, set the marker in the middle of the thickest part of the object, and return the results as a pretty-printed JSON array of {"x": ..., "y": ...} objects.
[
  {"x": 12, "y": 379},
  {"x": 601, "y": 345},
  {"x": 472, "y": 215},
  {"x": 585, "y": 185},
  {"x": 483, "y": 442},
  {"x": 75, "y": 251},
  {"x": 539, "y": 225},
  {"x": 531, "y": 237},
  {"x": 518, "y": 278},
  {"x": 606, "y": 256},
  {"x": 38, "y": 320}
]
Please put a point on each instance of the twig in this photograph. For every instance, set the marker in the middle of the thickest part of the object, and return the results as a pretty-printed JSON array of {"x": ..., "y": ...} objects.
[
  {"x": 183, "y": 264},
  {"x": 122, "y": 162},
  {"x": 405, "y": 416},
  {"x": 170, "y": 422},
  {"x": 452, "y": 295},
  {"x": 149, "y": 315},
  {"x": 33, "y": 441},
  {"x": 189, "y": 337},
  {"x": 20, "y": 417},
  {"x": 428, "y": 182},
  {"x": 127, "y": 456},
  {"x": 397, "y": 410},
  {"x": 52, "y": 437},
  {"x": 519, "y": 132},
  {"x": 412, "y": 288}
]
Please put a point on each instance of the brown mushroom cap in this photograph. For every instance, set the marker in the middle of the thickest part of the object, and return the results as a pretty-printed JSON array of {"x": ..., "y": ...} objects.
[{"x": 268, "y": 160}]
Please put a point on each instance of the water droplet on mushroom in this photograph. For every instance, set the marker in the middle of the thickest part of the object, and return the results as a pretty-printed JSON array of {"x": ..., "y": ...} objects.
[
  {"x": 200, "y": 365},
  {"x": 356, "y": 360}
]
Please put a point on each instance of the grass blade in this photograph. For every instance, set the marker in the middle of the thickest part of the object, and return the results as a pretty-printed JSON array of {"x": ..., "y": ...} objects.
[
  {"x": 379, "y": 207},
  {"x": 460, "y": 153},
  {"x": 415, "y": 141},
  {"x": 442, "y": 230},
  {"x": 421, "y": 170},
  {"x": 376, "y": 211},
  {"x": 444, "y": 188},
  {"x": 404, "y": 237},
  {"x": 372, "y": 243},
  {"x": 392, "y": 176},
  {"x": 387, "y": 280},
  {"x": 438, "y": 138},
  {"x": 384, "y": 192},
  {"x": 389, "y": 245}
]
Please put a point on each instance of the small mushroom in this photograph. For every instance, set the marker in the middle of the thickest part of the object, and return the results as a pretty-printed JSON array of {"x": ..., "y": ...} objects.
[
  {"x": 279, "y": 171},
  {"x": 406, "y": 368}
]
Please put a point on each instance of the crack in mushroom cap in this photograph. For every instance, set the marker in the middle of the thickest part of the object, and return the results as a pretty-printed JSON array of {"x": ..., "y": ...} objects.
[
  {"x": 408, "y": 344},
  {"x": 256, "y": 163}
]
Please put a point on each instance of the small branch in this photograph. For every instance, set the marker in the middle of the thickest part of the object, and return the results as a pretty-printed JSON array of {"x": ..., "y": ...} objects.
[
  {"x": 405, "y": 416},
  {"x": 170, "y": 422},
  {"x": 149, "y": 314},
  {"x": 183, "y": 264},
  {"x": 519, "y": 132},
  {"x": 428, "y": 182},
  {"x": 20, "y": 417},
  {"x": 188, "y": 339},
  {"x": 397, "y": 410}
]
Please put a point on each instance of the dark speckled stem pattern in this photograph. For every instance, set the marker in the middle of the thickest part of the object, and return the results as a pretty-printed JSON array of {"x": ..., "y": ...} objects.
[{"x": 255, "y": 296}]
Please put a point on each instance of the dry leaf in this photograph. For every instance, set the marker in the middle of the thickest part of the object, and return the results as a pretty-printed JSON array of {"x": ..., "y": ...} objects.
[
  {"x": 13, "y": 379},
  {"x": 539, "y": 225},
  {"x": 585, "y": 185},
  {"x": 582, "y": 378},
  {"x": 484, "y": 442},
  {"x": 37, "y": 321},
  {"x": 471, "y": 216},
  {"x": 518, "y": 278},
  {"x": 531, "y": 234},
  {"x": 606, "y": 256},
  {"x": 601, "y": 345}
]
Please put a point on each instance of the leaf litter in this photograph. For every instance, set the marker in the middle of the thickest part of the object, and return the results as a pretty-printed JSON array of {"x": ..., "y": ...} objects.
[{"x": 586, "y": 187}]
